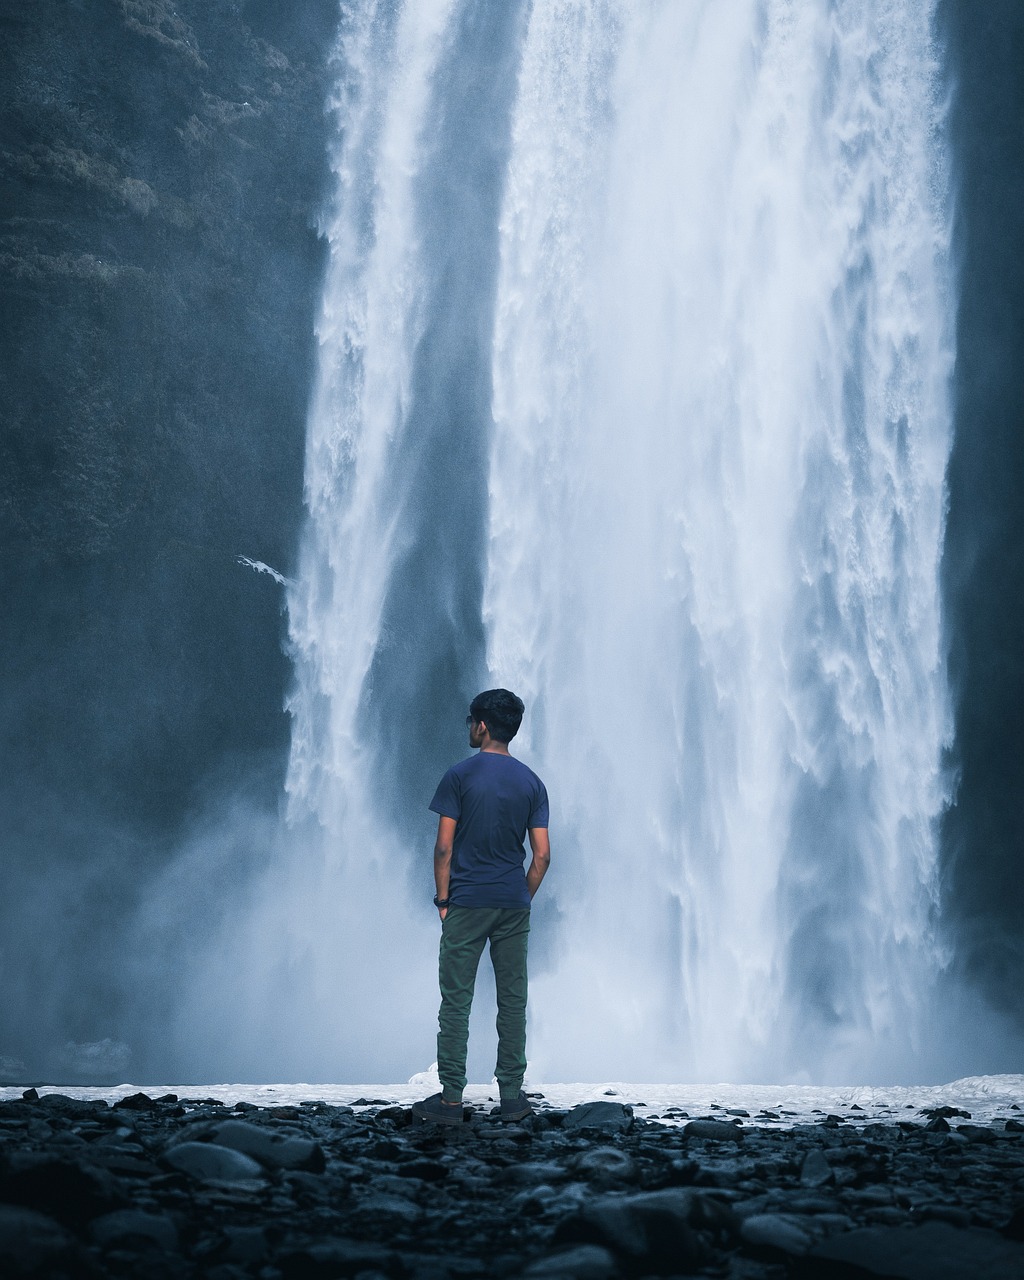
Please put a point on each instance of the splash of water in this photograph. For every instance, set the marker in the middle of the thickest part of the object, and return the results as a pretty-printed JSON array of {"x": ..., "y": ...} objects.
[{"x": 633, "y": 398}]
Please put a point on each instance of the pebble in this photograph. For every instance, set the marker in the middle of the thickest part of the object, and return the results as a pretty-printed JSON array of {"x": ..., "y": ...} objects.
[{"x": 164, "y": 1188}]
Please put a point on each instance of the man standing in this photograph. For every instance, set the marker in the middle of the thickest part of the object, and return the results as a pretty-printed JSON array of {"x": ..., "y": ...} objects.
[{"x": 486, "y": 807}]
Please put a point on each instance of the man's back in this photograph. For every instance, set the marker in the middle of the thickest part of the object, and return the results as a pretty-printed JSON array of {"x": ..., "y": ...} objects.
[{"x": 494, "y": 800}]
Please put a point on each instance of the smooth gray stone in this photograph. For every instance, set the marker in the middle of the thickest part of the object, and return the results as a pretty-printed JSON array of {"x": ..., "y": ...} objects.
[
  {"x": 210, "y": 1162},
  {"x": 30, "y": 1241},
  {"x": 713, "y": 1130},
  {"x": 128, "y": 1224},
  {"x": 777, "y": 1231},
  {"x": 530, "y": 1174},
  {"x": 933, "y": 1251},
  {"x": 273, "y": 1149},
  {"x": 976, "y": 1133},
  {"x": 611, "y": 1116},
  {"x": 585, "y": 1262},
  {"x": 605, "y": 1164},
  {"x": 386, "y": 1205},
  {"x": 816, "y": 1170}
]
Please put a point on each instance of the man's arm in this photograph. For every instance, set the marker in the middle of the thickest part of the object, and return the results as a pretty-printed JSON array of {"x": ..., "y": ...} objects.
[
  {"x": 443, "y": 859},
  {"x": 541, "y": 847}
]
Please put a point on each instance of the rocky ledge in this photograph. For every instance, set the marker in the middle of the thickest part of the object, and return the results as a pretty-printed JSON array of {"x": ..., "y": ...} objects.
[{"x": 174, "y": 1187}]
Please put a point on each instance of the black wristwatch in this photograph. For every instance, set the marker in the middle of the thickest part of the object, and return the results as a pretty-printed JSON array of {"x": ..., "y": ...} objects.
[{"x": 440, "y": 902}]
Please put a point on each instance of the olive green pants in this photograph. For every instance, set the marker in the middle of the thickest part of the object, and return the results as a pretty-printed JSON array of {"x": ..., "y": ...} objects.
[{"x": 464, "y": 932}]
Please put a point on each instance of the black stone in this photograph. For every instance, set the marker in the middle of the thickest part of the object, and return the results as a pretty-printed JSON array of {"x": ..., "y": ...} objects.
[
  {"x": 69, "y": 1190},
  {"x": 713, "y": 1131},
  {"x": 139, "y": 1102},
  {"x": 610, "y": 1117}
]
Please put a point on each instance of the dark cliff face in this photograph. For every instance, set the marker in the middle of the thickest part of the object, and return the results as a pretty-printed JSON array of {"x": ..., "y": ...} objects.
[
  {"x": 983, "y": 570},
  {"x": 161, "y": 169}
]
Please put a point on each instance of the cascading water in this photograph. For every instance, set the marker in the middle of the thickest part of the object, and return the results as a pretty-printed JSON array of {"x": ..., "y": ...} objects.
[{"x": 633, "y": 397}]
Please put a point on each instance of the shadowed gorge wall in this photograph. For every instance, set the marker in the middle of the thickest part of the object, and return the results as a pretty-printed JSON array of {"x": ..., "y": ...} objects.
[
  {"x": 163, "y": 166},
  {"x": 983, "y": 837}
]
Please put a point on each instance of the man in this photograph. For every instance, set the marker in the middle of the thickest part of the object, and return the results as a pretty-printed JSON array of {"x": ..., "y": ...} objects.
[{"x": 486, "y": 807}]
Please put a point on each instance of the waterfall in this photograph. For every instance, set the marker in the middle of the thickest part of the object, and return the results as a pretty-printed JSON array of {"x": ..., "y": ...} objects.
[{"x": 633, "y": 397}]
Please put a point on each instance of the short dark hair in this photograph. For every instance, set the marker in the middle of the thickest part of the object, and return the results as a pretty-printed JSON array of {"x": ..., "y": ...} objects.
[{"x": 500, "y": 710}]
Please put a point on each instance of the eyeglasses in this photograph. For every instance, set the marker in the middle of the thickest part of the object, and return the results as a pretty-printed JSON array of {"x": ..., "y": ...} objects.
[{"x": 470, "y": 721}]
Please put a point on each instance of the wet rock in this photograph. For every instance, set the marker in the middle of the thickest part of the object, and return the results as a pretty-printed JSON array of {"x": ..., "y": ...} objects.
[
  {"x": 585, "y": 1262},
  {"x": 209, "y": 1162},
  {"x": 531, "y": 1174},
  {"x": 131, "y": 1226},
  {"x": 976, "y": 1133},
  {"x": 934, "y": 1251},
  {"x": 388, "y": 1207},
  {"x": 276, "y": 1150},
  {"x": 713, "y": 1131},
  {"x": 424, "y": 1170},
  {"x": 32, "y": 1243},
  {"x": 650, "y": 1232},
  {"x": 71, "y": 1108},
  {"x": 816, "y": 1170},
  {"x": 330, "y": 1258},
  {"x": 610, "y": 1117},
  {"x": 138, "y": 1102},
  {"x": 245, "y": 1244},
  {"x": 68, "y": 1190},
  {"x": 605, "y": 1166},
  {"x": 777, "y": 1233}
]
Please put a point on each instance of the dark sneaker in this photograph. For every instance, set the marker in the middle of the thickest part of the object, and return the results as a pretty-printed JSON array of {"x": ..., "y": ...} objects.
[
  {"x": 436, "y": 1109},
  {"x": 516, "y": 1108}
]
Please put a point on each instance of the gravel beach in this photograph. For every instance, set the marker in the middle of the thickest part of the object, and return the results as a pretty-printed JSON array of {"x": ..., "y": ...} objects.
[{"x": 168, "y": 1186}]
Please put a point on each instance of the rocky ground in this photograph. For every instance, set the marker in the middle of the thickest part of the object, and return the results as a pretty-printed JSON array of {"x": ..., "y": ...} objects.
[{"x": 168, "y": 1187}]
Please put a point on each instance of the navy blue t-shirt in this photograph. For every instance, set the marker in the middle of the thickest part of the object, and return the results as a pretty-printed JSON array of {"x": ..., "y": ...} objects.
[{"x": 494, "y": 799}]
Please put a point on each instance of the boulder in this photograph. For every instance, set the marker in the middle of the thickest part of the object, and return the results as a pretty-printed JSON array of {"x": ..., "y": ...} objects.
[
  {"x": 816, "y": 1170},
  {"x": 776, "y": 1233},
  {"x": 584, "y": 1262},
  {"x": 274, "y": 1149},
  {"x": 32, "y": 1243},
  {"x": 611, "y": 1117},
  {"x": 209, "y": 1162},
  {"x": 131, "y": 1226},
  {"x": 605, "y": 1166},
  {"x": 67, "y": 1189},
  {"x": 713, "y": 1131},
  {"x": 650, "y": 1232},
  {"x": 933, "y": 1251}
]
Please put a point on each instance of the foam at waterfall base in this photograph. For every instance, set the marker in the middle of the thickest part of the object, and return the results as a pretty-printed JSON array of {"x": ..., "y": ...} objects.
[{"x": 986, "y": 1098}]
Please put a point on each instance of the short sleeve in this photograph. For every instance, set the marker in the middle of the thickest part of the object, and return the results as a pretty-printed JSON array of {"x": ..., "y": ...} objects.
[
  {"x": 539, "y": 808},
  {"x": 447, "y": 799}
]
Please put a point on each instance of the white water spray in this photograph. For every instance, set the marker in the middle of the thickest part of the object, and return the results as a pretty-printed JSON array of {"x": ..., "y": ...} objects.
[
  {"x": 721, "y": 426},
  {"x": 701, "y": 403}
]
